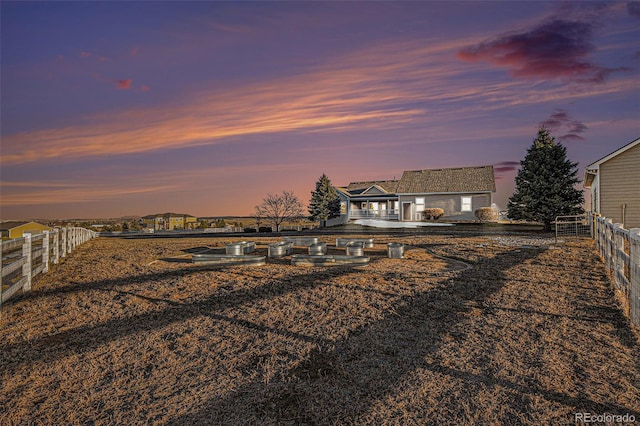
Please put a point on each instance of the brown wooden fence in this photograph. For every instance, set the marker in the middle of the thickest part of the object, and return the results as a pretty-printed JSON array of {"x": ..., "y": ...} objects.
[
  {"x": 620, "y": 251},
  {"x": 24, "y": 258}
]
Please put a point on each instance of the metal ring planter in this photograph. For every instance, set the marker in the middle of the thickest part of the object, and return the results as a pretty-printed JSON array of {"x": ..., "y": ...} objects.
[
  {"x": 301, "y": 241},
  {"x": 283, "y": 248},
  {"x": 318, "y": 249},
  {"x": 342, "y": 242},
  {"x": 395, "y": 250},
  {"x": 242, "y": 247},
  {"x": 329, "y": 260},
  {"x": 228, "y": 259},
  {"x": 354, "y": 248}
]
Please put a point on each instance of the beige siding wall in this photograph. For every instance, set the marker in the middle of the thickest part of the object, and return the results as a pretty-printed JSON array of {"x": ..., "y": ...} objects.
[{"x": 620, "y": 184}]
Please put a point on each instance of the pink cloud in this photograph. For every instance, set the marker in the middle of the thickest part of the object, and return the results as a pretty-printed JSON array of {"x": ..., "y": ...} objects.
[
  {"x": 134, "y": 52},
  {"x": 144, "y": 88},
  {"x": 123, "y": 84},
  {"x": 85, "y": 54}
]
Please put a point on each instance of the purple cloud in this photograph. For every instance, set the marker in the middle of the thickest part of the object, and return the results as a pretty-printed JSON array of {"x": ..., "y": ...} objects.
[
  {"x": 560, "y": 120},
  {"x": 572, "y": 137},
  {"x": 556, "y": 49},
  {"x": 633, "y": 7},
  {"x": 506, "y": 166}
]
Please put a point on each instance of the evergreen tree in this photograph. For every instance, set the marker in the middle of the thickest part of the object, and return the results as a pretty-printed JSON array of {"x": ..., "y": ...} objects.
[
  {"x": 324, "y": 204},
  {"x": 545, "y": 184}
]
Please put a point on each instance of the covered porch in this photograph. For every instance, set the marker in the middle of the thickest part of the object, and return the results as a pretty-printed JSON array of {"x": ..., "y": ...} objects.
[{"x": 386, "y": 209}]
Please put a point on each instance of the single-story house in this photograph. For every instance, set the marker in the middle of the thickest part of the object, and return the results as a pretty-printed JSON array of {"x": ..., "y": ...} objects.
[
  {"x": 17, "y": 229},
  {"x": 614, "y": 181},
  {"x": 458, "y": 191}
]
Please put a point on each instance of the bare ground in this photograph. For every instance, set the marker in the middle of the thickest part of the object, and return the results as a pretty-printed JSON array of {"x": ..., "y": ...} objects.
[{"x": 128, "y": 332}]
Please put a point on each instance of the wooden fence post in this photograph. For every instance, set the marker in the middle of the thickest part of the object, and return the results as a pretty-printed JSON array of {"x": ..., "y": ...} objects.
[
  {"x": 26, "y": 267},
  {"x": 45, "y": 251},
  {"x": 56, "y": 246},
  {"x": 69, "y": 240},
  {"x": 634, "y": 275},
  {"x": 63, "y": 244}
]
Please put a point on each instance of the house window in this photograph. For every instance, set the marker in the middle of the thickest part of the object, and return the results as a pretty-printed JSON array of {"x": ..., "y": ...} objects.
[
  {"x": 343, "y": 207},
  {"x": 465, "y": 204},
  {"x": 419, "y": 208},
  {"x": 364, "y": 206}
]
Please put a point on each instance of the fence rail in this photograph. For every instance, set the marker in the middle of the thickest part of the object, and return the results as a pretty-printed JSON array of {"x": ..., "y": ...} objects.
[
  {"x": 620, "y": 251},
  {"x": 21, "y": 259}
]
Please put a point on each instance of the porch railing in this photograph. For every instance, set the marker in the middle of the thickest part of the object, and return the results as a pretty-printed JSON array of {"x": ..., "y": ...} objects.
[{"x": 374, "y": 214}]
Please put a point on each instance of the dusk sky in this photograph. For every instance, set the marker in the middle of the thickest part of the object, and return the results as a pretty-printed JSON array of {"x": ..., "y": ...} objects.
[{"x": 133, "y": 108}]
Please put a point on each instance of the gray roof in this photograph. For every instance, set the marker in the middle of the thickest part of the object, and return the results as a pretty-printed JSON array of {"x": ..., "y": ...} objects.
[
  {"x": 389, "y": 186},
  {"x": 464, "y": 179}
]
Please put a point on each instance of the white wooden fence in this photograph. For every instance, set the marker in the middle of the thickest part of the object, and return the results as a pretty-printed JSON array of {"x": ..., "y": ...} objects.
[
  {"x": 620, "y": 250},
  {"x": 24, "y": 258}
]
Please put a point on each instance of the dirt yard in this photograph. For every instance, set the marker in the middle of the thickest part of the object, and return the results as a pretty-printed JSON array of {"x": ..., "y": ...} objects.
[{"x": 129, "y": 332}]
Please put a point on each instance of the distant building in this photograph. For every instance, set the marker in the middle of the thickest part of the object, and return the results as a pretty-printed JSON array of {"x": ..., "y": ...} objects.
[
  {"x": 614, "y": 181},
  {"x": 18, "y": 229},
  {"x": 458, "y": 191},
  {"x": 169, "y": 221}
]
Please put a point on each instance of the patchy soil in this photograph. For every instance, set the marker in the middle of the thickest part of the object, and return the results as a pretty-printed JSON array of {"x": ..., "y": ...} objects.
[{"x": 463, "y": 330}]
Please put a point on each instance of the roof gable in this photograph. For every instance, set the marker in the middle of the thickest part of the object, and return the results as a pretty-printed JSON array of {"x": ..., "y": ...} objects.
[
  {"x": 596, "y": 164},
  {"x": 453, "y": 180},
  {"x": 387, "y": 186},
  {"x": 374, "y": 190}
]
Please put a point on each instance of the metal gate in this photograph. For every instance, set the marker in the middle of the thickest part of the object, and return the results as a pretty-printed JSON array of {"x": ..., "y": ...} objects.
[{"x": 574, "y": 226}]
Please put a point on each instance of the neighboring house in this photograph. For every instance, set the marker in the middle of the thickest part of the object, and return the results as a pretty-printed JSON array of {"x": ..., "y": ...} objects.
[
  {"x": 614, "y": 181},
  {"x": 153, "y": 221},
  {"x": 17, "y": 229},
  {"x": 170, "y": 221},
  {"x": 458, "y": 191}
]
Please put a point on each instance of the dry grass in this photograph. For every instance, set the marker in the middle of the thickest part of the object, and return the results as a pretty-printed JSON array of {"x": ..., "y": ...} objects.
[{"x": 116, "y": 336}]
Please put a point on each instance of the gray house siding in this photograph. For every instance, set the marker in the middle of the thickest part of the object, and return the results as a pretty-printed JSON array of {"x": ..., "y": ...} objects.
[
  {"x": 458, "y": 191},
  {"x": 450, "y": 203}
]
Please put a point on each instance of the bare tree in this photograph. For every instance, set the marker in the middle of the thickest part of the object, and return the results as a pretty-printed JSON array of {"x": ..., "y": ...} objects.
[
  {"x": 259, "y": 216},
  {"x": 278, "y": 208}
]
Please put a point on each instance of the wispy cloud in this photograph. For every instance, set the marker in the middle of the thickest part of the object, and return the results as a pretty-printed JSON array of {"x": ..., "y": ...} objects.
[
  {"x": 561, "y": 122},
  {"x": 398, "y": 83},
  {"x": 127, "y": 183},
  {"x": 506, "y": 166},
  {"x": 555, "y": 49},
  {"x": 72, "y": 193}
]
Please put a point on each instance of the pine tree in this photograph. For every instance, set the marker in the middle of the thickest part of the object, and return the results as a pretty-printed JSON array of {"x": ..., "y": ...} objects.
[
  {"x": 324, "y": 204},
  {"x": 545, "y": 184}
]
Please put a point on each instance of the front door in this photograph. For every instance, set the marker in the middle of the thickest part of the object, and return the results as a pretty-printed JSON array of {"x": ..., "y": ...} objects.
[{"x": 406, "y": 211}]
